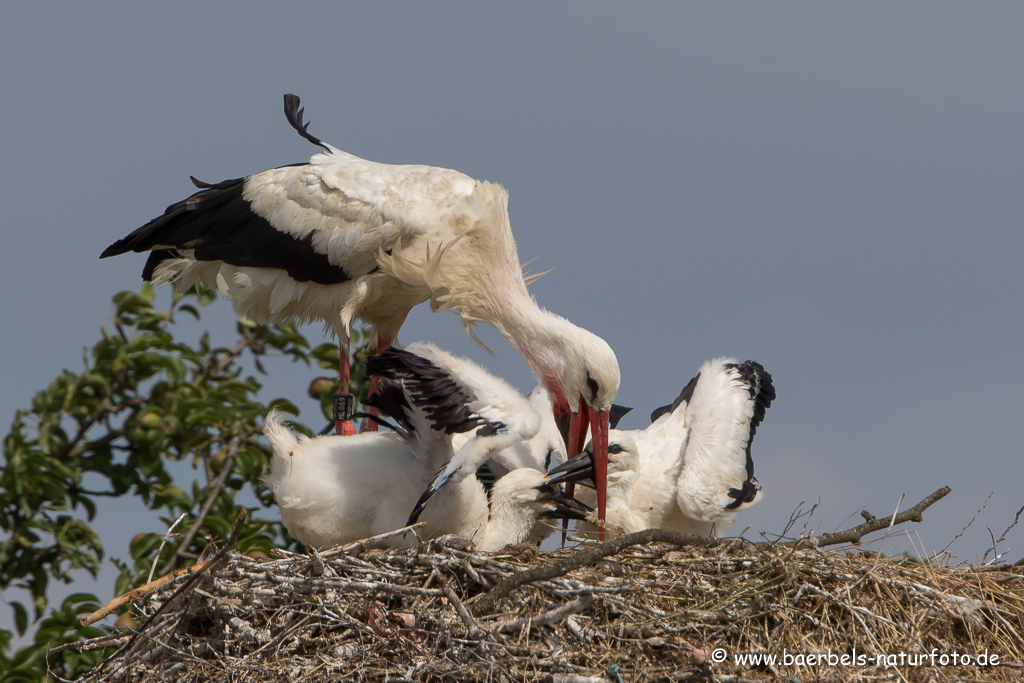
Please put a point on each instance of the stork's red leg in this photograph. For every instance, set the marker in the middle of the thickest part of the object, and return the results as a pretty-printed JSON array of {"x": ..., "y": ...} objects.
[
  {"x": 343, "y": 427},
  {"x": 376, "y": 383}
]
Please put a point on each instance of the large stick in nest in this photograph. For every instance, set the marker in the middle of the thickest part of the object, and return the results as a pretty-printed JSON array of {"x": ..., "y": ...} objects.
[{"x": 589, "y": 556}]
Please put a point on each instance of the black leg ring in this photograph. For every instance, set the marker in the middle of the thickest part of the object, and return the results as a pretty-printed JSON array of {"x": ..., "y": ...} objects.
[{"x": 344, "y": 406}]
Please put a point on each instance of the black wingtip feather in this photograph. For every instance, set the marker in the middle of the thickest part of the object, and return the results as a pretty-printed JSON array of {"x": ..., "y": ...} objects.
[
  {"x": 115, "y": 249},
  {"x": 429, "y": 387},
  {"x": 760, "y": 387},
  {"x": 746, "y": 494},
  {"x": 293, "y": 112},
  {"x": 435, "y": 486},
  {"x": 685, "y": 395}
]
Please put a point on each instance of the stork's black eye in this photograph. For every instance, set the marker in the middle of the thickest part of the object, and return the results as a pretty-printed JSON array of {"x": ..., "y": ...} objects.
[
  {"x": 615, "y": 449},
  {"x": 592, "y": 385}
]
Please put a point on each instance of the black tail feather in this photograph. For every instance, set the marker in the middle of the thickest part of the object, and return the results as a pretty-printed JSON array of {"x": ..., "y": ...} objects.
[{"x": 294, "y": 115}]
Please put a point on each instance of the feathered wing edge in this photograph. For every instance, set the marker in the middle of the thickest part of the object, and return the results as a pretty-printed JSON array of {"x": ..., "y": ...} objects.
[
  {"x": 762, "y": 392},
  {"x": 722, "y": 413},
  {"x": 429, "y": 388}
]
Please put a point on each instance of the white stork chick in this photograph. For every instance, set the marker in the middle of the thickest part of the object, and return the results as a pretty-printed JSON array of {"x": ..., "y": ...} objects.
[
  {"x": 626, "y": 511},
  {"x": 519, "y": 501},
  {"x": 342, "y": 238},
  {"x": 721, "y": 417},
  {"x": 333, "y": 490},
  {"x": 330, "y": 491},
  {"x": 693, "y": 470},
  {"x": 545, "y": 448}
]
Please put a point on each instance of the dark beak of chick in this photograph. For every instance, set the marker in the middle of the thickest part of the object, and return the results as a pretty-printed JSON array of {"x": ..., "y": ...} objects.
[
  {"x": 566, "y": 507},
  {"x": 579, "y": 469}
]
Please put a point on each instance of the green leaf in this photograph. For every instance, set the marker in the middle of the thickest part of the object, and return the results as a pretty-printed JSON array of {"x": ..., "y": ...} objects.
[{"x": 20, "y": 617}]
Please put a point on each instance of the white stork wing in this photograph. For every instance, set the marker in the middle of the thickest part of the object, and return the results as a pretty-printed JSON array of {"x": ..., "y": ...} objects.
[
  {"x": 722, "y": 414},
  {"x": 490, "y": 397},
  {"x": 459, "y": 397}
]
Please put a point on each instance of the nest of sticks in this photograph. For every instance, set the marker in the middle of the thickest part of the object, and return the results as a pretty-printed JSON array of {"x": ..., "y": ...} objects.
[{"x": 650, "y": 606}]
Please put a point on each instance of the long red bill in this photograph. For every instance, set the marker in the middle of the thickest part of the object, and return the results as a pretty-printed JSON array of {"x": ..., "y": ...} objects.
[
  {"x": 599, "y": 440},
  {"x": 577, "y": 438}
]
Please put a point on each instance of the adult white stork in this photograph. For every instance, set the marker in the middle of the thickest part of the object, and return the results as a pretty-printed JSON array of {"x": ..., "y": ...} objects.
[
  {"x": 342, "y": 238},
  {"x": 691, "y": 470},
  {"x": 334, "y": 489}
]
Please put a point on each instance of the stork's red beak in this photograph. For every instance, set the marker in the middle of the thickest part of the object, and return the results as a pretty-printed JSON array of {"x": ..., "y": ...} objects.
[
  {"x": 599, "y": 440},
  {"x": 574, "y": 430}
]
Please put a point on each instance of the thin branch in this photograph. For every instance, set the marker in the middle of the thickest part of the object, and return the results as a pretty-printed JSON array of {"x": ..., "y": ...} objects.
[
  {"x": 140, "y": 592},
  {"x": 229, "y": 462},
  {"x": 1002, "y": 538},
  {"x": 163, "y": 542},
  {"x": 589, "y": 556},
  {"x": 101, "y": 643},
  {"x": 552, "y": 616},
  {"x": 858, "y": 532},
  {"x": 968, "y": 526},
  {"x": 189, "y": 583}
]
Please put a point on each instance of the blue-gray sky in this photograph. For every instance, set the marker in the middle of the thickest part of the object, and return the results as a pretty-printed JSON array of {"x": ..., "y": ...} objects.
[{"x": 834, "y": 190}]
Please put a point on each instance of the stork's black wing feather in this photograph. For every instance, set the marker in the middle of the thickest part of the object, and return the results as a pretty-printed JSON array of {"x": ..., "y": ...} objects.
[
  {"x": 685, "y": 395},
  {"x": 432, "y": 390},
  {"x": 294, "y": 115},
  {"x": 219, "y": 224},
  {"x": 617, "y": 413}
]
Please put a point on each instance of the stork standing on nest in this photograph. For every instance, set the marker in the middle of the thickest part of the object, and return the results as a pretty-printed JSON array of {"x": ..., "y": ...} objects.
[{"x": 342, "y": 238}]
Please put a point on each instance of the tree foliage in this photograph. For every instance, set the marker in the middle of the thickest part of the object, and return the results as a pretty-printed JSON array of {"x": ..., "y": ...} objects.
[{"x": 144, "y": 402}]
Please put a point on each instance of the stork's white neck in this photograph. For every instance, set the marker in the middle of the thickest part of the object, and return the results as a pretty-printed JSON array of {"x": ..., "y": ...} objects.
[{"x": 541, "y": 337}]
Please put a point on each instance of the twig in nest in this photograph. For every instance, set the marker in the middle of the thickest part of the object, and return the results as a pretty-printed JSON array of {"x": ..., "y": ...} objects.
[
  {"x": 475, "y": 632},
  {"x": 229, "y": 463},
  {"x": 192, "y": 580},
  {"x": 358, "y": 546},
  {"x": 141, "y": 591},
  {"x": 101, "y": 643},
  {"x": 584, "y": 558},
  {"x": 552, "y": 616}
]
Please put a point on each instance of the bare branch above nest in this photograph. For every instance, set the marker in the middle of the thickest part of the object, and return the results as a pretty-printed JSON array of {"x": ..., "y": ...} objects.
[
  {"x": 589, "y": 556},
  {"x": 858, "y": 532}
]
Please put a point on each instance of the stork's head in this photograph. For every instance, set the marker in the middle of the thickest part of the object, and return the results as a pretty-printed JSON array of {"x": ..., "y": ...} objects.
[
  {"x": 590, "y": 373},
  {"x": 528, "y": 490},
  {"x": 583, "y": 381},
  {"x": 623, "y": 464}
]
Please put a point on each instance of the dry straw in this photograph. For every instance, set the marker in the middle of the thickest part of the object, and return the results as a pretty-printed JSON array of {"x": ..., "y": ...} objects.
[{"x": 653, "y": 606}]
